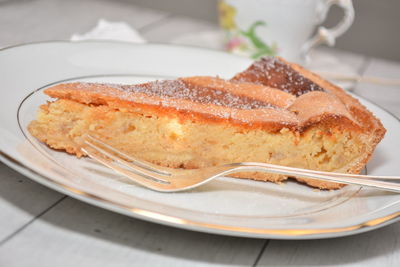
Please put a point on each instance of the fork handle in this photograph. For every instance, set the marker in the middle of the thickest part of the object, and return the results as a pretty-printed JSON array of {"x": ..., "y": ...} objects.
[{"x": 389, "y": 183}]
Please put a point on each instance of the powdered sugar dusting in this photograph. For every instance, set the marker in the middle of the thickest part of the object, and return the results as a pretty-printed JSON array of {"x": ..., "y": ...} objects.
[
  {"x": 272, "y": 72},
  {"x": 179, "y": 95},
  {"x": 177, "y": 89}
]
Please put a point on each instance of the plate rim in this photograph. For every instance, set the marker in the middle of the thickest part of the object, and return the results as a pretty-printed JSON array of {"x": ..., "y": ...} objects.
[{"x": 155, "y": 217}]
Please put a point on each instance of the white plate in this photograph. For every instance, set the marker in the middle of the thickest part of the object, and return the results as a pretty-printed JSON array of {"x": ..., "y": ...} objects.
[{"x": 225, "y": 206}]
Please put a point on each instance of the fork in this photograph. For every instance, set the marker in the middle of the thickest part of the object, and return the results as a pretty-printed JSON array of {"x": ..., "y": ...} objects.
[{"x": 164, "y": 179}]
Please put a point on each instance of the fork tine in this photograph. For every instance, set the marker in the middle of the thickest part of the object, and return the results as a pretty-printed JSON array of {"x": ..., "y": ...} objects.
[
  {"x": 135, "y": 168},
  {"x": 178, "y": 180},
  {"x": 145, "y": 165},
  {"x": 147, "y": 182}
]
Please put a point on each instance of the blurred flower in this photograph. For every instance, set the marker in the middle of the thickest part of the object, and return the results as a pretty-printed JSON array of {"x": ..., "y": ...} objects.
[
  {"x": 261, "y": 48},
  {"x": 227, "y": 15},
  {"x": 234, "y": 43}
]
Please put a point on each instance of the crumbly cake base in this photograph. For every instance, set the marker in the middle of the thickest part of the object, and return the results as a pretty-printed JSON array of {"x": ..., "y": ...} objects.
[{"x": 166, "y": 140}]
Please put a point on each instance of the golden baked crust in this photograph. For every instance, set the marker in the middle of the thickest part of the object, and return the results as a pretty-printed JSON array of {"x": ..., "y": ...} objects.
[
  {"x": 273, "y": 112},
  {"x": 290, "y": 77}
]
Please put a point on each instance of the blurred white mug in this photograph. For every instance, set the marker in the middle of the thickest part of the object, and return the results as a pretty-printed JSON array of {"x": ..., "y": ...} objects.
[{"x": 258, "y": 28}]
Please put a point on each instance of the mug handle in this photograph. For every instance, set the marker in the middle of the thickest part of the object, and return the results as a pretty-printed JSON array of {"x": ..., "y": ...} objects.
[{"x": 328, "y": 36}]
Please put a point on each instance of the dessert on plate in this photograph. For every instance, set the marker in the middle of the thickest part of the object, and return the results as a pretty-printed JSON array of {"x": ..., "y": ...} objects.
[{"x": 274, "y": 112}]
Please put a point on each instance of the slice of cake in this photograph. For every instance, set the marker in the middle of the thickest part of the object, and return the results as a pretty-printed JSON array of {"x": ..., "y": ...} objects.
[{"x": 273, "y": 112}]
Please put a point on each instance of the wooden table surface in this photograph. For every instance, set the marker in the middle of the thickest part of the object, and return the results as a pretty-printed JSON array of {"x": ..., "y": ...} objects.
[{"x": 40, "y": 227}]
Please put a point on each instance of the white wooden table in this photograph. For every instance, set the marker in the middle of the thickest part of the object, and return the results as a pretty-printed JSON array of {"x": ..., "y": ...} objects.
[{"x": 40, "y": 227}]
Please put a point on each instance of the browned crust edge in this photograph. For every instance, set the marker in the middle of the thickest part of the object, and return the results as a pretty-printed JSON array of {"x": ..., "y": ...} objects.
[{"x": 369, "y": 122}]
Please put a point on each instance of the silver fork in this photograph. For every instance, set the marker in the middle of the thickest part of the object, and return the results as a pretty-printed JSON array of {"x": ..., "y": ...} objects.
[{"x": 173, "y": 180}]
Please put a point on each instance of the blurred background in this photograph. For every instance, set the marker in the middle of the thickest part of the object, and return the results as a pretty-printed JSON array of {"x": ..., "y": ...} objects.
[{"x": 375, "y": 31}]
